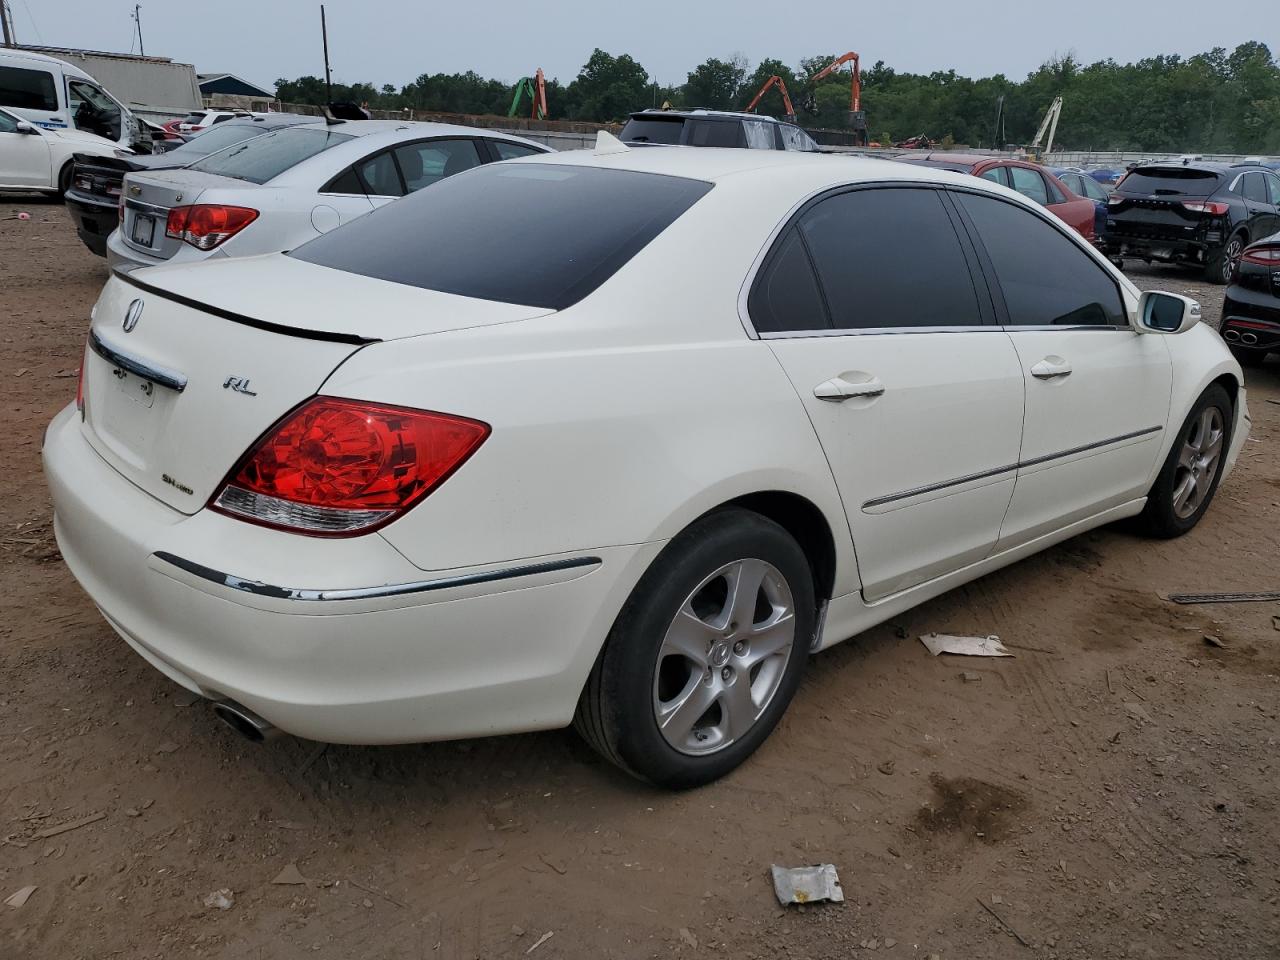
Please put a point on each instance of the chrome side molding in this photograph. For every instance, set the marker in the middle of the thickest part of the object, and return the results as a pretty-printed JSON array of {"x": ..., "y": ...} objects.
[{"x": 258, "y": 588}]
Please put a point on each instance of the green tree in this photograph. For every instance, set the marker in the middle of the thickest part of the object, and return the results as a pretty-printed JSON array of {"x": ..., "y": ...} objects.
[
  {"x": 715, "y": 83},
  {"x": 607, "y": 88}
]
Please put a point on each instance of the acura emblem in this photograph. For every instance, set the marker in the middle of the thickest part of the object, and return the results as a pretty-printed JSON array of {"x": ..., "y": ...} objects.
[
  {"x": 131, "y": 316},
  {"x": 135, "y": 189}
]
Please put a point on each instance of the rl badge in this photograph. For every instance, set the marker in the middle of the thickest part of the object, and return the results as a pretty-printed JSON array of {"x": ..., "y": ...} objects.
[{"x": 239, "y": 385}]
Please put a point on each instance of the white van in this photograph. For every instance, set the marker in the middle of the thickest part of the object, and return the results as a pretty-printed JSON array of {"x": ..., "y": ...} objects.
[{"x": 55, "y": 95}]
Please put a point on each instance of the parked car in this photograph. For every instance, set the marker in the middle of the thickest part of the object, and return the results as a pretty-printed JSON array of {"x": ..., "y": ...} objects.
[
  {"x": 97, "y": 180},
  {"x": 1029, "y": 179},
  {"x": 56, "y": 95},
  {"x": 1251, "y": 307},
  {"x": 1083, "y": 185},
  {"x": 35, "y": 159},
  {"x": 714, "y": 128},
  {"x": 280, "y": 189},
  {"x": 486, "y": 460},
  {"x": 199, "y": 120},
  {"x": 1195, "y": 213},
  {"x": 1106, "y": 175}
]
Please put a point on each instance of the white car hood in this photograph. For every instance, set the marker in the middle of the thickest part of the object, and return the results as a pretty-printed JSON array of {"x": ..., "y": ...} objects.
[{"x": 86, "y": 142}]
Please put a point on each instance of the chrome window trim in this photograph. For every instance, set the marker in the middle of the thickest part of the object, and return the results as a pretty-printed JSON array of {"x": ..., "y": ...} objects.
[
  {"x": 258, "y": 588},
  {"x": 997, "y": 471},
  {"x": 139, "y": 366},
  {"x": 899, "y": 331}
]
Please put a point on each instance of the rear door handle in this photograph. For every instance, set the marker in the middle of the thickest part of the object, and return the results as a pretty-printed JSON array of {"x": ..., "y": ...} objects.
[
  {"x": 1051, "y": 368},
  {"x": 838, "y": 389}
]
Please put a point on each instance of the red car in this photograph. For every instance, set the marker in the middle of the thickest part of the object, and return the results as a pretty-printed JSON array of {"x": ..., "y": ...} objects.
[{"x": 1028, "y": 179}]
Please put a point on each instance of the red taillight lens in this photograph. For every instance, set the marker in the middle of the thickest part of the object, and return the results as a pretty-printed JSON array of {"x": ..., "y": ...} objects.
[
  {"x": 80, "y": 387},
  {"x": 205, "y": 225},
  {"x": 341, "y": 467},
  {"x": 1262, "y": 256},
  {"x": 1211, "y": 207}
]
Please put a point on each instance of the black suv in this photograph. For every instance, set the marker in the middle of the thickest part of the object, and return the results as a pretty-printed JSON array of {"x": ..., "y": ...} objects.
[
  {"x": 1196, "y": 213},
  {"x": 96, "y": 182},
  {"x": 714, "y": 128}
]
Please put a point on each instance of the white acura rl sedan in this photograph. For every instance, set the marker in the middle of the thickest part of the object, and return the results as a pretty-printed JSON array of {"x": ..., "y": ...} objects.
[{"x": 614, "y": 438}]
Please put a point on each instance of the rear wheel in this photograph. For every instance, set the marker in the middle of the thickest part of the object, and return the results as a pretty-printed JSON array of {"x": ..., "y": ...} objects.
[
  {"x": 1189, "y": 478},
  {"x": 705, "y": 655},
  {"x": 64, "y": 179},
  {"x": 1221, "y": 267}
]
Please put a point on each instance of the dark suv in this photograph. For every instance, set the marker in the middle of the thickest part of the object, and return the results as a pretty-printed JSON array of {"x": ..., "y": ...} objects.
[
  {"x": 714, "y": 128},
  {"x": 1196, "y": 213}
]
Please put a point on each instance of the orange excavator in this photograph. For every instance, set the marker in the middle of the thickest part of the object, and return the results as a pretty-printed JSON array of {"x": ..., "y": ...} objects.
[
  {"x": 535, "y": 88},
  {"x": 857, "y": 118}
]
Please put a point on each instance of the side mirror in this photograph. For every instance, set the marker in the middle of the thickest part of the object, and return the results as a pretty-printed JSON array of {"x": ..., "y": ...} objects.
[
  {"x": 1160, "y": 312},
  {"x": 24, "y": 127}
]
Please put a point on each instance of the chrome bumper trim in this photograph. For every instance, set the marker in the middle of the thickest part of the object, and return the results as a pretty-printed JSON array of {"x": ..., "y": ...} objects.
[
  {"x": 137, "y": 365},
  {"x": 261, "y": 589}
]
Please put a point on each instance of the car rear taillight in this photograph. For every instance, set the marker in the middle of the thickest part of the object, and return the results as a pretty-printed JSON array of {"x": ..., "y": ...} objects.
[
  {"x": 205, "y": 225},
  {"x": 80, "y": 387},
  {"x": 337, "y": 467},
  {"x": 1262, "y": 256},
  {"x": 1211, "y": 207}
]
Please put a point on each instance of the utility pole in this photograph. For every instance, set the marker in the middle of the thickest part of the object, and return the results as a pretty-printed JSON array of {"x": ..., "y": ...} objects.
[
  {"x": 4, "y": 22},
  {"x": 324, "y": 35},
  {"x": 137, "y": 18}
]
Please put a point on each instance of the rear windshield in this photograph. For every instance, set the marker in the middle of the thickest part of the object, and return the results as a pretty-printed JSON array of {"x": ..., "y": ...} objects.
[
  {"x": 543, "y": 235},
  {"x": 653, "y": 131},
  {"x": 219, "y": 138},
  {"x": 1172, "y": 182},
  {"x": 266, "y": 157},
  {"x": 942, "y": 165}
]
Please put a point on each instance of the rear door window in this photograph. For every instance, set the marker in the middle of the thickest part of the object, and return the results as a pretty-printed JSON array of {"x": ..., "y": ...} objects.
[
  {"x": 715, "y": 133},
  {"x": 794, "y": 138},
  {"x": 28, "y": 89},
  {"x": 380, "y": 176},
  {"x": 266, "y": 157},
  {"x": 429, "y": 161},
  {"x": 507, "y": 150},
  {"x": 1030, "y": 184},
  {"x": 759, "y": 134},
  {"x": 868, "y": 245},
  {"x": 1273, "y": 183},
  {"x": 1254, "y": 188},
  {"x": 1046, "y": 279},
  {"x": 785, "y": 296},
  {"x": 998, "y": 175},
  {"x": 485, "y": 235}
]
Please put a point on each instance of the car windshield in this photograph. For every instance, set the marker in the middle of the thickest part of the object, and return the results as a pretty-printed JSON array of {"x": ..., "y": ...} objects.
[
  {"x": 542, "y": 235},
  {"x": 646, "y": 130},
  {"x": 1170, "y": 182},
  {"x": 942, "y": 165},
  {"x": 266, "y": 157}
]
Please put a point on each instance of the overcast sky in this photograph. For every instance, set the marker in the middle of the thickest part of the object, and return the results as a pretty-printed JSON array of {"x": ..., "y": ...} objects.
[{"x": 393, "y": 41}]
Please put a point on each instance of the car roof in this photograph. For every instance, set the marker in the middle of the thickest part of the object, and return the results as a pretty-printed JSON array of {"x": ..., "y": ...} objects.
[
  {"x": 1206, "y": 166},
  {"x": 702, "y": 112}
]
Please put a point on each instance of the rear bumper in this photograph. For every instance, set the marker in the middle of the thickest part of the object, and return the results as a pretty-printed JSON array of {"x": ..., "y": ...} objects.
[
  {"x": 1251, "y": 319},
  {"x": 1166, "y": 250},
  {"x": 95, "y": 219},
  {"x": 340, "y": 640}
]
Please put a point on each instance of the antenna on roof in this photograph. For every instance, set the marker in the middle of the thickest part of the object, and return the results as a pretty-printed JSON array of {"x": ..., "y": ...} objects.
[{"x": 607, "y": 143}]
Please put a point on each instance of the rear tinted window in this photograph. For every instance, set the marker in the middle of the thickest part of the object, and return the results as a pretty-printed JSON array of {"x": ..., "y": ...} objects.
[
  {"x": 266, "y": 157},
  {"x": 716, "y": 133},
  {"x": 543, "y": 235},
  {"x": 219, "y": 138},
  {"x": 653, "y": 131},
  {"x": 1172, "y": 182},
  {"x": 27, "y": 89}
]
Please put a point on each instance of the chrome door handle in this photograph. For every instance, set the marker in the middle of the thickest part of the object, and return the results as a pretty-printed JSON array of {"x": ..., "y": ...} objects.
[
  {"x": 1050, "y": 368},
  {"x": 838, "y": 389}
]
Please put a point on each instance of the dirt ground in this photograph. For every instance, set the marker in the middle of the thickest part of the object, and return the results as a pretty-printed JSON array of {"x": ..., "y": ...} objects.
[{"x": 1111, "y": 792}]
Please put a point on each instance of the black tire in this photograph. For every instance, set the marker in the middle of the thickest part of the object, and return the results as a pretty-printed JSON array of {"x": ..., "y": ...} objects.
[
  {"x": 1220, "y": 266},
  {"x": 64, "y": 179},
  {"x": 617, "y": 712},
  {"x": 1160, "y": 518},
  {"x": 1246, "y": 357}
]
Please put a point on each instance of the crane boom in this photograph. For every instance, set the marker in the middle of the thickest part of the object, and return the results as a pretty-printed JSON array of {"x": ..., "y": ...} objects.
[
  {"x": 1049, "y": 123},
  {"x": 774, "y": 81}
]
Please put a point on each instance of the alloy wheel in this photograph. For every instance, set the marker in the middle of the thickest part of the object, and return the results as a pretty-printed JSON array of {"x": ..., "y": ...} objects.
[
  {"x": 1230, "y": 255},
  {"x": 723, "y": 657},
  {"x": 1197, "y": 462}
]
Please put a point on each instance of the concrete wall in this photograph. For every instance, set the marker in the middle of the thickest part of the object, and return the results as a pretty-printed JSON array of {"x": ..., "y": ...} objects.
[{"x": 1105, "y": 158}]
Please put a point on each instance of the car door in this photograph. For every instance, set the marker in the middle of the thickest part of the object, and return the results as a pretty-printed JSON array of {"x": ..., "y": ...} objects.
[
  {"x": 24, "y": 157},
  {"x": 998, "y": 175},
  {"x": 868, "y": 299},
  {"x": 380, "y": 177},
  {"x": 1273, "y": 188},
  {"x": 424, "y": 162},
  {"x": 1097, "y": 393}
]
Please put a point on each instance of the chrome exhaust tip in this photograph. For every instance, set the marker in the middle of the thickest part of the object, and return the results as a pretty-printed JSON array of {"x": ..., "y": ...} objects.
[
  {"x": 1249, "y": 338},
  {"x": 1231, "y": 335},
  {"x": 244, "y": 721}
]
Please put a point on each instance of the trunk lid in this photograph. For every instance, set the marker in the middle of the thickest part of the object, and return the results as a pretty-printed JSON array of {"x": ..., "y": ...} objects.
[
  {"x": 148, "y": 198},
  {"x": 174, "y": 401}
]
